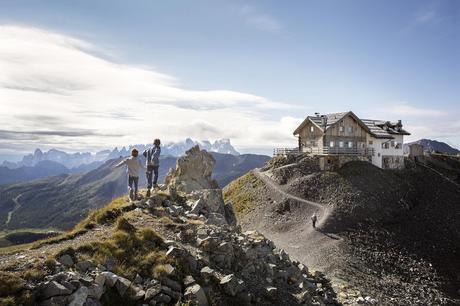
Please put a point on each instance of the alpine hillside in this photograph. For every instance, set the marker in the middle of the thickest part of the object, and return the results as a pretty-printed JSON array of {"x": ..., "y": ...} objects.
[
  {"x": 181, "y": 246},
  {"x": 393, "y": 235}
]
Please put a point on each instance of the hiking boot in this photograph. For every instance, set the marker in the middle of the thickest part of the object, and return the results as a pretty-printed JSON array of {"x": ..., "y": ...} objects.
[
  {"x": 131, "y": 194},
  {"x": 147, "y": 195}
]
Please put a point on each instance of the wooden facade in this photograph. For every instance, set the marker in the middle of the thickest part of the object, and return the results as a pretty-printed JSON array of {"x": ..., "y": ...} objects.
[{"x": 346, "y": 135}]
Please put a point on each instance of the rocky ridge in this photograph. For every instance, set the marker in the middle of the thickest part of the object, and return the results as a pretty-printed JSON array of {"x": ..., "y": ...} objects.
[{"x": 179, "y": 246}]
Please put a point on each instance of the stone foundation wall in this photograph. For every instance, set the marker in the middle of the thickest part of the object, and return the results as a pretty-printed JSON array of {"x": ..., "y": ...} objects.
[{"x": 331, "y": 162}]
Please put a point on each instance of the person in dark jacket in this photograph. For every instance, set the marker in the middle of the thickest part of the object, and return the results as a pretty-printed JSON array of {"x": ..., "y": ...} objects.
[
  {"x": 152, "y": 162},
  {"x": 314, "y": 219}
]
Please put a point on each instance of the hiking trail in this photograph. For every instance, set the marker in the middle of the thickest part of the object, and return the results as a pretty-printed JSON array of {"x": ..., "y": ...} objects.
[{"x": 313, "y": 247}]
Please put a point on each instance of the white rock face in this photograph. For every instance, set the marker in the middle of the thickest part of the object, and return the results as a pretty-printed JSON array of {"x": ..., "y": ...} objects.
[{"x": 193, "y": 171}]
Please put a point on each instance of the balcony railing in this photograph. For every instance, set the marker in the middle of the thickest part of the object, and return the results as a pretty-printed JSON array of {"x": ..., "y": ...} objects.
[
  {"x": 285, "y": 151},
  {"x": 338, "y": 151}
]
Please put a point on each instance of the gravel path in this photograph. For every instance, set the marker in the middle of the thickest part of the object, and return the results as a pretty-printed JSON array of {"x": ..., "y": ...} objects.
[{"x": 313, "y": 247}]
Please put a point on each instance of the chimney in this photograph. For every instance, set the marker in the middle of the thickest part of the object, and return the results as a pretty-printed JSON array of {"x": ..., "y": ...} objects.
[
  {"x": 399, "y": 125},
  {"x": 317, "y": 114},
  {"x": 323, "y": 121}
]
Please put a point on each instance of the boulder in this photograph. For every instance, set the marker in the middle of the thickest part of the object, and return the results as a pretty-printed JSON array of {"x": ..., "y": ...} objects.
[
  {"x": 193, "y": 171},
  {"x": 189, "y": 280},
  {"x": 162, "y": 298},
  {"x": 95, "y": 291},
  {"x": 122, "y": 285},
  {"x": 230, "y": 214},
  {"x": 84, "y": 265},
  {"x": 271, "y": 292},
  {"x": 66, "y": 260},
  {"x": 152, "y": 292},
  {"x": 175, "y": 252},
  {"x": 136, "y": 293},
  {"x": 110, "y": 278},
  {"x": 169, "y": 269},
  {"x": 172, "y": 293},
  {"x": 53, "y": 288},
  {"x": 196, "y": 207},
  {"x": 78, "y": 298},
  {"x": 100, "y": 279},
  {"x": 231, "y": 285},
  {"x": 92, "y": 302},
  {"x": 196, "y": 295},
  {"x": 58, "y": 301},
  {"x": 216, "y": 219},
  {"x": 171, "y": 284}
]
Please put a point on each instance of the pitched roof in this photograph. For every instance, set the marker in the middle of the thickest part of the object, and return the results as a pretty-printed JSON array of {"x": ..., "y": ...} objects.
[
  {"x": 384, "y": 129},
  {"x": 331, "y": 120},
  {"x": 377, "y": 128}
]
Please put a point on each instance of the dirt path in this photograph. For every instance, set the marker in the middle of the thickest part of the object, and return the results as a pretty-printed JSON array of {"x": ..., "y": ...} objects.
[
  {"x": 437, "y": 172},
  {"x": 17, "y": 205},
  {"x": 316, "y": 248}
]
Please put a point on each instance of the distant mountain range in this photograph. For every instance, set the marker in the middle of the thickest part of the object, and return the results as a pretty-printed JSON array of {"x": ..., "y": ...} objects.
[
  {"x": 433, "y": 146},
  {"x": 75, "y": 160},
  {"x": 54, "y": 162},
  {"x": 61, "y": 201}
]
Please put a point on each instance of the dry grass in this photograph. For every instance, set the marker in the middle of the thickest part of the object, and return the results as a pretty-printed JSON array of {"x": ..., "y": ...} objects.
[
  {"x": 134, "y": 251},
  {"x": 13, "y": 291},
  {"x": 195, "y": 222},
  {"x": 104, "y": 215},
  {"x": 242, "y": 193}
]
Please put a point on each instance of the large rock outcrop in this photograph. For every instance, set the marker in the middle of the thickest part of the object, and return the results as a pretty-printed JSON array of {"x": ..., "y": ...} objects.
[
  {"x": 192, "y": 176},
  {"x": 193, "y": 171}
]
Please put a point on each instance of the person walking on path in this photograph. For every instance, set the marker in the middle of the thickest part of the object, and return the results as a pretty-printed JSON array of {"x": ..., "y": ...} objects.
[
  {"x": 314, "y": 218},
  {"x": 133, "y": 168},
  {"x": 152, "y": 161}
]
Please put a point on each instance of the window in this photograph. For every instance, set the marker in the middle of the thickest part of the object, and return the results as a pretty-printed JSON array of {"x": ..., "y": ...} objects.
[
  {"x": 398, "y": 146},
  {"x": 341, "y": 144},
  {"x": 331, "y": 144},
  {"x": 350, "y": 129},
  {"x": 371, "y": 142},
  {"x": 340, "y": 128},
  {"x": 312, "y": 129},
  {"x": 392, "y": 144},
  {"x": 350, "y": 144}
]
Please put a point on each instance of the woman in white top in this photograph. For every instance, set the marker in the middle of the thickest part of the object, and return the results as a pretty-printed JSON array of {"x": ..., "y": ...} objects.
[{"x": 133, "y": 168}]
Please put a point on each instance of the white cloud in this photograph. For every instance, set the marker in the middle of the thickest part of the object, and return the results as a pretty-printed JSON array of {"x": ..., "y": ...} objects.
[
  {"x": 55, "y": 92},
  {"x": 259, "y": 20},
  {"x": 406, "y": 110}
]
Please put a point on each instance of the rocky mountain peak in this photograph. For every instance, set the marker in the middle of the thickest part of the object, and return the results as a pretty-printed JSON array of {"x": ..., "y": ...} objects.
[{"x": 193, "y": 171}]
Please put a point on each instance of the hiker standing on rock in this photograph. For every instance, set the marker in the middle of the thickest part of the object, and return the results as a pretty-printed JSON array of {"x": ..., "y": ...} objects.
[
  {"x": 152, "y": 162},
  {"x": 134, "y": 166},
  {"x": 314, "y": 218}
]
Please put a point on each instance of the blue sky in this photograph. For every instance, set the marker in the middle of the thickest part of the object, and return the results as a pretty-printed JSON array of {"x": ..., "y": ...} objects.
[{"x": 275, "y": 62}]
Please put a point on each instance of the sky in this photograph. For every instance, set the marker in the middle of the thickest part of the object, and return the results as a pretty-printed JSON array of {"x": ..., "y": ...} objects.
[{"x": 90, "y": 75}]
